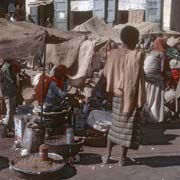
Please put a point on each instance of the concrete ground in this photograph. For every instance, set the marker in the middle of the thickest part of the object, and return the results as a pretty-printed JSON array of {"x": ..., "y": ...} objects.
[{"x": 157, "y": 159}]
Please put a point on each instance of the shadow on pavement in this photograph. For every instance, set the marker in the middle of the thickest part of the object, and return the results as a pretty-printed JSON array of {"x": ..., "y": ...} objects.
[
  {"x": 157, "y": 137},
  {"x": 68, "y": 172},
  {"x": 112, "y": 161},
  {"x": 158, "y": 161},
  {"x": 164, "y": 125},
  {"x": 4, "y": 163},
  {"x": 90, "y": 158}
]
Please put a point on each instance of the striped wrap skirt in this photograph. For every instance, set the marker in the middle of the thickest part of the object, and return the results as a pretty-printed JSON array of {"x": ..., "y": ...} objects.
[{"x": 126, "y": 128}]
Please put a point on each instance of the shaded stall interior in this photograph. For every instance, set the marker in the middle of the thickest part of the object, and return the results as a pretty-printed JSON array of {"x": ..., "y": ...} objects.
[
  {"x": 175, "y": 13},
  {"x": 79, "y": 17},
  {"x": 122, "y": 17},
  {"x": 41, "y": 13},
  {"x": 5, "y": 3},
  {"x": 130, "y": 16}
]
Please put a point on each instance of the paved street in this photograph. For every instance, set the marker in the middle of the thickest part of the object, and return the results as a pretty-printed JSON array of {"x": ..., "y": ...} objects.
[{"x": 157, "y": 159}]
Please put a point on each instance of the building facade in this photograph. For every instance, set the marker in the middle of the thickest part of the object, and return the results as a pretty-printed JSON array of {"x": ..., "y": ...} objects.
[
  {"x": 166, "y": 14},
  {"x": 171, "y": 15},
  {"x": 66, "y": 13},
  {"x": 15, "y": 8}
]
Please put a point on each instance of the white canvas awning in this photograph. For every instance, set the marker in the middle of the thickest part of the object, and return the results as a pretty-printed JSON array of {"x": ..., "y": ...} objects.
[{"x": 33, "y": 3}]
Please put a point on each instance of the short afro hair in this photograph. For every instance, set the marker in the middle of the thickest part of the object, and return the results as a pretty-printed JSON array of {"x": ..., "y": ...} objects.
[
  {"x": 8, "y": 60},
  {"x": 128, "y": 34}
]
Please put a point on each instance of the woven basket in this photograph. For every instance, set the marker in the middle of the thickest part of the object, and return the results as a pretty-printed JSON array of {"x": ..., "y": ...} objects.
[{"x": 97, "y": 141}]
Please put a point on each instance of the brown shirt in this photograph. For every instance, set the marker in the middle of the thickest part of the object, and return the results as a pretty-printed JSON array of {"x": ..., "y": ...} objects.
[{"x": 125, "y": 77}]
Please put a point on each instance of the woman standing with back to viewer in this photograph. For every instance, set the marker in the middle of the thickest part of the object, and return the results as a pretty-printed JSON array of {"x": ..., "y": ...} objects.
[
  {"x": 154, "y": 66},
  {"x": 125, "y": 79}
]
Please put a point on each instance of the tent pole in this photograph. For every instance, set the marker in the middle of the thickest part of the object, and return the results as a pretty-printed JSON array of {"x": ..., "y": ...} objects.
[{"x": 44, "y": 71}]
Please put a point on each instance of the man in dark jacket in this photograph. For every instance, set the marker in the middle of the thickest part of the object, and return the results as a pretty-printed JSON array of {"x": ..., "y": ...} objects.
[{"x": 9, "y": 91}]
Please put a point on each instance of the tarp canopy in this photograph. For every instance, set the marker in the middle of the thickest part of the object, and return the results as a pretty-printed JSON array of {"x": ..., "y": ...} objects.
[
  {"x": 99, "y": 30},
  {"x": 53, "y": 35},
  {"x": 18, "y": 42},
  {"x": 76, "y": 55},
  {"x": 34, "y": 3},
  {"x": 21, "y": 40},
  {"x": 147, "y": 28},
  {"x": 143, "y": 27},
  {"x": 166, "y": 33},
  {"x": 65, "y": 53}
]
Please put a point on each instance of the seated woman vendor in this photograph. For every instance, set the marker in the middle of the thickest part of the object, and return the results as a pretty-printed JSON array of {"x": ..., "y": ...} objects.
[{"x": 54, "y": 89}]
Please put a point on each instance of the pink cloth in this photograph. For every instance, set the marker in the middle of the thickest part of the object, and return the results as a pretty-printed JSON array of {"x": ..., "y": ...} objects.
[{"x": 160, "y": 44}]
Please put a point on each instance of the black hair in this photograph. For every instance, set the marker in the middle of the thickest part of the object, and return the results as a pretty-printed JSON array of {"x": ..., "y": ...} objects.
[
  {"x": 128, "y": 34},
  {"x": 8, "y": 60}
]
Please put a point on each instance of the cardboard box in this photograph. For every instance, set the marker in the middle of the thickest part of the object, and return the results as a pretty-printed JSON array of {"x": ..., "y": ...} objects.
[{"x": 20, "y": 124}]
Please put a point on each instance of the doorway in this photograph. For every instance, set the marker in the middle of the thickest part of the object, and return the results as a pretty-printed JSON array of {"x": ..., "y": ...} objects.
[{"x": 79, "y": 17}]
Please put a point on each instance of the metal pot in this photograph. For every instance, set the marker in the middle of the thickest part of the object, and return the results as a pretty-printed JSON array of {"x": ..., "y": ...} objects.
[{"x": 33, "y": 137}]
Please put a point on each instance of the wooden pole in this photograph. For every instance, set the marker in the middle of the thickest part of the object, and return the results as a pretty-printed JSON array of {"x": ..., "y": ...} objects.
[
  {"x": 68, "y": 14},
  {"x": 162, "y": 14},
  {"x": 44, "y": 71}
]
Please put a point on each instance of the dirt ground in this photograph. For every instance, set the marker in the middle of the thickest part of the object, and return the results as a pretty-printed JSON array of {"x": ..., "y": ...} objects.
[{"x": 157, "y": 159}]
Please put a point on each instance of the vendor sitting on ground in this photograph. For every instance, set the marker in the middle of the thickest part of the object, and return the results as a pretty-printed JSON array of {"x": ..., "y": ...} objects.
[{"x": 54, "y": 89}]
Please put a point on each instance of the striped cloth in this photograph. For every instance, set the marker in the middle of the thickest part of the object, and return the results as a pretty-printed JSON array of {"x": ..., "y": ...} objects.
[{"x": 125, "y": 128}]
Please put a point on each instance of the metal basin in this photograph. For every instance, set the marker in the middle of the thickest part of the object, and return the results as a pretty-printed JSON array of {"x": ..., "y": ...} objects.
[
  {"x": 64, "y": 149},
  {"x": 38, "y": 175}
]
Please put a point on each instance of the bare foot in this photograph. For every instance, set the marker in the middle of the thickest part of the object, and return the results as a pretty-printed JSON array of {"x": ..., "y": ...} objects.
[
  {"x": 122, "y": 161},
  {"x": 105, "y": 159}
]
